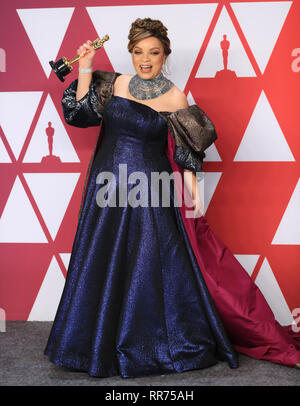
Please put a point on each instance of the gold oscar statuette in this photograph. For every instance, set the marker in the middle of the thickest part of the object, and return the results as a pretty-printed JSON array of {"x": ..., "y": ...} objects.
[{"x": 64, "y": 66}]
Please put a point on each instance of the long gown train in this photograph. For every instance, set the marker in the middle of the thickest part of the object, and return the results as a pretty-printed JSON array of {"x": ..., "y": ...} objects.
[{"x": 245, "y": 313}]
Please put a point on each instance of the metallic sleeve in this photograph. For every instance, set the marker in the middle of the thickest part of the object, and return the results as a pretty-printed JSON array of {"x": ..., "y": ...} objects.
[
  {"x": 84, "y": 112},
  {"x": 193, "y": 132}
]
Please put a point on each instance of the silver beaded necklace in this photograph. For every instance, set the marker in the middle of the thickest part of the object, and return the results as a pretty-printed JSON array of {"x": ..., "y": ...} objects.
[{"x": 144, "y": 89}]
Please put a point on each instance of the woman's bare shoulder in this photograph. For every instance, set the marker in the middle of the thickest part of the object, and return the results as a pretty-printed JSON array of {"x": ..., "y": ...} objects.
[
  {"x": 179, "y": 99},
  {"x": 121, "y": 82},
  {"x": 123, "y": 77}
]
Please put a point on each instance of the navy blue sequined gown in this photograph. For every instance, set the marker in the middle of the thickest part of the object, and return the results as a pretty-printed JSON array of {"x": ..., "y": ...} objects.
[{"x": 131, "y": 304}]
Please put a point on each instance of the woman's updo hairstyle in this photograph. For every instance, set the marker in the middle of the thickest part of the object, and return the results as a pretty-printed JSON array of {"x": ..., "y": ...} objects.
[{"x": 143, "y": 28}]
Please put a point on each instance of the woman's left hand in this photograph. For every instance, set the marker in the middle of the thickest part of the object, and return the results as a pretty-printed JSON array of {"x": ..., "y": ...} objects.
[
  {"x": 198, "y": 208},
  {"x": 191, "y": 183}
]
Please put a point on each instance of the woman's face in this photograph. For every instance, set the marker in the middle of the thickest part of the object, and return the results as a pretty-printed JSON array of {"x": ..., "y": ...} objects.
[{"x": 148, "y": 57}]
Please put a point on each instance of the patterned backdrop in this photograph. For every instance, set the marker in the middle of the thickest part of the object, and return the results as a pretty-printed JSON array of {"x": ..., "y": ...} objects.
[{"x": 238, "y": 60}]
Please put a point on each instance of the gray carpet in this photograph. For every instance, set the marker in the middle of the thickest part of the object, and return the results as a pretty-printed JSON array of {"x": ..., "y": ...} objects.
[{"x": 22, "y": 363}]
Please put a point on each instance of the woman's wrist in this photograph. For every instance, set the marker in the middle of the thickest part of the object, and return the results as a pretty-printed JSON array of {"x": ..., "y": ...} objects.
[{"x": 85, "y": 64}]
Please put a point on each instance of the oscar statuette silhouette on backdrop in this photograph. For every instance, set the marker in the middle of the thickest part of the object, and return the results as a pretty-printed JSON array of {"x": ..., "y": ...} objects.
[
  {"x": 50, "y": 158},
  {"x": 225, "y": 73}
]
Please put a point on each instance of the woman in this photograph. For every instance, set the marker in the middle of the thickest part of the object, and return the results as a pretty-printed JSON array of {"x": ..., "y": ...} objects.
[{"x": 150, "y": 289}]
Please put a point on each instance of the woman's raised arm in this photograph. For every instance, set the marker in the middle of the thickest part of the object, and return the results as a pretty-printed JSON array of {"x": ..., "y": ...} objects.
[
  {"x": 87, "y": 53},
  {"x": 80, "y": 100}
]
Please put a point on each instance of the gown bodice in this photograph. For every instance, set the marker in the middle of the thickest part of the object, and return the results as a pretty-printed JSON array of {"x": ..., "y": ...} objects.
[
  {"x": 134, "y": 144},
  {"x": 134, "y": 125}
]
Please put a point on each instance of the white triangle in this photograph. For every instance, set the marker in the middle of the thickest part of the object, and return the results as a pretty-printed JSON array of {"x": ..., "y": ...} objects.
[
  {"x": 52, "y": 193},
  {"x": 187, "y": 26},
  {"x": 211, "y": 153},
  {"x": 66, "y": 259},
  {"x": 46, "y": 28},
  {"x": 4, "y": 157},
  {"x": 212, "y": 61},
  {"x": 261, "y": 23},
  {"x": 263, "y": 139},
  {"x": 207, "y": 187},
  {"x": 248, "y": 262},
  {"x": 62, "y": 146},
  {"x": 190, "y": 99},
  {"x": 24, "y": 104},
  {"x": 269, "y": 287},
  {"x": 18, "y": 223},
  {"x": 288, "y": 231},
  {"x": 47, "y": 300}
]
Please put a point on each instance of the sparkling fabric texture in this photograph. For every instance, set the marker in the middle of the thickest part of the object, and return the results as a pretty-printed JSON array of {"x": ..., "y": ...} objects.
[
  {"x": 148, "y": 290},
  {"x": 132, "y": 304},
  {"x": 192, "y": 130}
]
